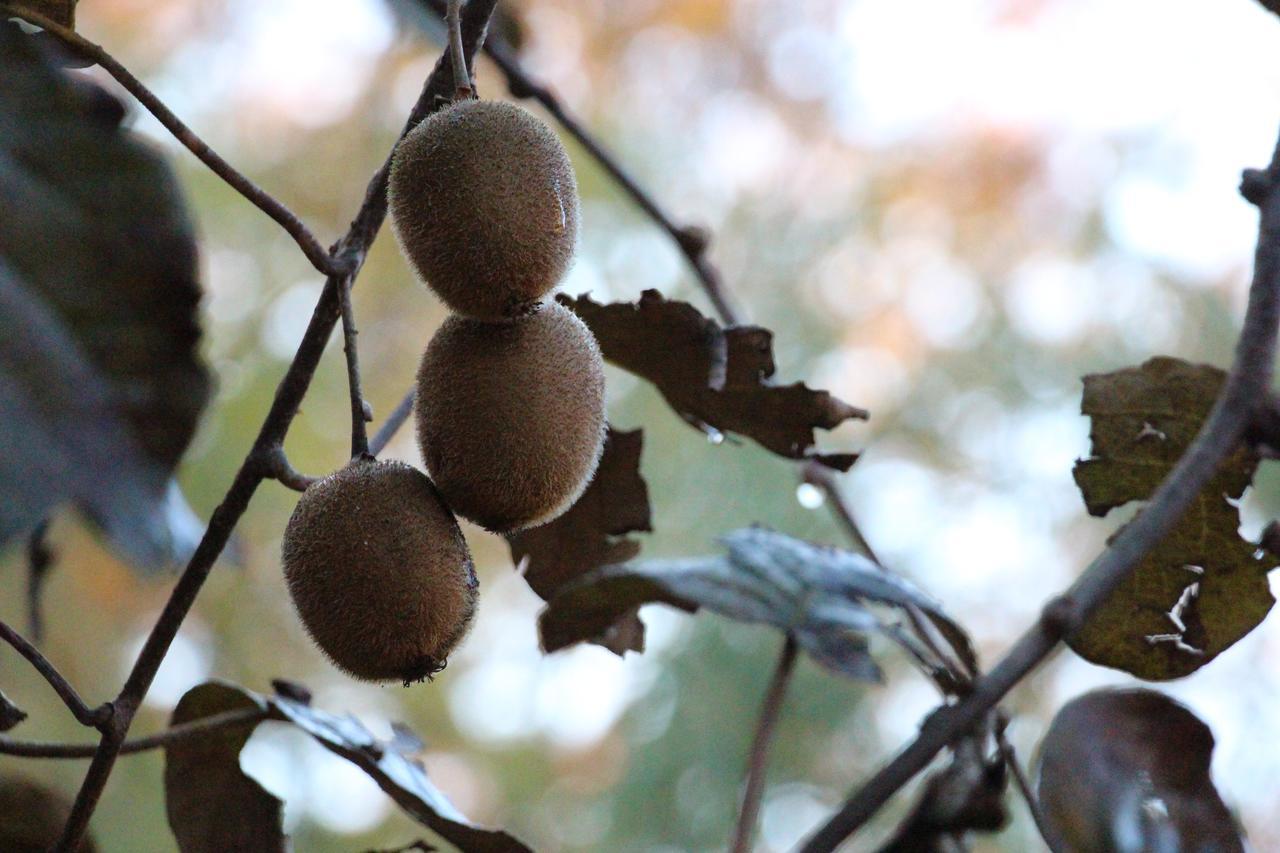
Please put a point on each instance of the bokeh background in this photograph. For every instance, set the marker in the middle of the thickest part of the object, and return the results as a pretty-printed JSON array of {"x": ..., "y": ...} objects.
[{"x": 948, "y": 212}]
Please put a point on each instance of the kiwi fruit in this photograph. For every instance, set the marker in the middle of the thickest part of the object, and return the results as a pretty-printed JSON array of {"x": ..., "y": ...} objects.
[
  {"x": 510, "y": 416},
  {"x": 485, "y": 206},
  {"x": 379, "y": 572}
]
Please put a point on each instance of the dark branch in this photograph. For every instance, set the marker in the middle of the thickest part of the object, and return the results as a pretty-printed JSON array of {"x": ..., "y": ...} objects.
[
  {"x": 349, "y": 255},
  {"x": 360, "y": 412},
  {"x": 753, "y": 790},
  {"x": 1246, "y": 387},
  {"x": 86, "y": 716},
  {"x": 276, "y": 466},
  {"x": 39, "y": 563},
  {"x": 1010, "y": 757},
  {"x": 393, "y": 423},
  {"x": 185, "y": 731},
  {"x": 457, "y": 58},
  {"x": 261, "y": 199}
]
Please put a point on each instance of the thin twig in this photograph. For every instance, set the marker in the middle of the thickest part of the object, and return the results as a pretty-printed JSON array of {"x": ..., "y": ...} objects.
[
  {"x": 1245, "y": 389},
  {"x": 392, "y": 424},
  {"x": 181, "y": 732},
  {"x": 39, "y": 562},
  {"x": 461, "y": 77},
  {"x": 349, "y": 255},
  {"x": 259, "y": 197},
  {"x": 360, "y": 411},
  {"x": 276, "y": 466},
  {"x": 1010, "y": 757},
  {"x": 753, "y": 790},
  {"x": 86, "y": 716}
]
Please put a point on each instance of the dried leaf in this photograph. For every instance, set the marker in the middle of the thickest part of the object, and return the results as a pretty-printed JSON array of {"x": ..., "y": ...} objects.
[
  {"x": 817, "y": 594},
  {"x": 32, "y": 817},
  {"x": 964, "y": 796},
  {"x": 1129, "y": 770},
  {"x": 716, "y": 379},
  {"x": 10, "y": 714},
  {"x": 59, "y": 11},
  {"x": 1203, "y": 587},
  {"x": 593, "y": 533},
  {"x": 104, "y": 253},
  {"x": 214, "y": 787},
  {"x": 211, "y": 803}
]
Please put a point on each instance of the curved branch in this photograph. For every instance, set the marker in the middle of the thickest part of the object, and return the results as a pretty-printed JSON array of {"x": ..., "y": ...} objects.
[
  {"x": 753, "y": 791},
  {"x": 276, "y": 466},
  {"x": 92, "y": 717},
  {"x": 392, "y": 424},
  {"x": 184, "y": 731},
  {"x": 1246, "y": 388},
  {"x": 259, "y": 197}
]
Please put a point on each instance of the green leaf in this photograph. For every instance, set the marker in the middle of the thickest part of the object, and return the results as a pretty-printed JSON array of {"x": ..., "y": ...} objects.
[
  {"x": 817, "y": 594},
  {"x": 593, "y": 533},
  {"x": 97, "y": 243},
  {"x": 213, "y": 806},
  {"x": 1203, "y": 587},
  {"x": 209, "y": 785},
  {"x": 716, "y": 379},
  {"x": 1129, "y": 770}
]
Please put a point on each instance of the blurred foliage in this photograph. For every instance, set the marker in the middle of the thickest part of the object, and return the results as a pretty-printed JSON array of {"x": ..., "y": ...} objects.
[{"x": 955, "y": 278}]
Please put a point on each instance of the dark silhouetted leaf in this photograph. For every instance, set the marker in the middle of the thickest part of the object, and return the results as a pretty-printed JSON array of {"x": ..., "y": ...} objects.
[
  {"x": 816, "y": 593},
  {"x": 32, "y": 817},
  {"x": 1203, "y": 587},
  {"x": 593, "y": 533},
  {"x": 212, "y": 805},
  {"x": 966, "y": 795},
  {"x": 1129, "y": 770},
  {"x": 103, "y": 254},
  {"x": 10, "y": 714},
  {"x": 715, "y": 379},
  {"x": 204, "y": 784}
]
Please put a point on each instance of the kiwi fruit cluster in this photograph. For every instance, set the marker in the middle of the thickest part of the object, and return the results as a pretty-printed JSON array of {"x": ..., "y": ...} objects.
[
  {"x": 510, "y": 404},
  {"x": 509, "y": 409}
]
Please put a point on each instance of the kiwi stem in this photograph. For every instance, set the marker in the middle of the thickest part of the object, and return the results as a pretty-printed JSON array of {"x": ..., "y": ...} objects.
[
  {"x": 184, "y": 731},
  {"x": 753, "y": 790},
  {"x": 359, "y": 433},
  {"x": 462, "y": 90},
  {"x": 277, "y": 467},
  {"x": 392, "y": 424},
  {"x": 86, "y": 716},
  {"x": 1019, "y": 777},
  {"x": 264, "y": 201}
]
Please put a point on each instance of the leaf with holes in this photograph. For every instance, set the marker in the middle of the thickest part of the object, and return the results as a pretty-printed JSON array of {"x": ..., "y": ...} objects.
[
  {"x": 1129, "y": 770},
  {"x": 1203, "y": 587},
  {"x": 593, "y": 533},
  {"x": 817, "y": 594},
  {"x": 204, "y": 783},
  {"x": 99, "y": 291},
  {"x": 716, "y": 379}
]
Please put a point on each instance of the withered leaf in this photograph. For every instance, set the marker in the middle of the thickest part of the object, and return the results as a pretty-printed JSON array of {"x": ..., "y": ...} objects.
[
  {"x": 10, "y": 714},
  {"x": 593, "y": 533},
  {"x": 1203, "y": 587},
  {"x": 211, "y": 803},
  {"x": 716, "y": 379},
  {"x": 204, "y": 783},
  {"x": 103, "y": 254},
  {"x": 966, "y": 795},
  {"x": 1129, "y": 770},
  {"x": 815, "y": 593}
]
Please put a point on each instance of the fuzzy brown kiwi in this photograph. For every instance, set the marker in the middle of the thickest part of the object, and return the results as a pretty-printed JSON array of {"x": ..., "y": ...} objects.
[
  {"x": 32, "y": 817},
  {"x": 379, "y": 572},
  {"x": 511, "y": 416},
  {"x": 485, "y": 206}
]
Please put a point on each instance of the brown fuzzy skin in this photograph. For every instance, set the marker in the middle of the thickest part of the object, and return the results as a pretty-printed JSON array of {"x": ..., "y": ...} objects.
[
  {"x": 379, "y": 572},
  {"x": 32, "y": 816},
  {"x": 511, "y": 416},
  {"x": 485, "y": 206}
]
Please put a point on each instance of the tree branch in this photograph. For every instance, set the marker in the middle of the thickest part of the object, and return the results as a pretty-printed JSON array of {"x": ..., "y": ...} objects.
[
  {"x": 348, "y": 255},
  {"x": 1246, "y": 388},
  {"x": 184, "y": 731},
  {"x": 86, "y": 716},
  {"x": 360, "y": 411},
  {"x": 461, "y": 78},
  {"x": 261, "y": 199},
  {"x": 753, "y": 791},
  {"x": 393, "y": 423},
  {"x": 276, "y": 466}
]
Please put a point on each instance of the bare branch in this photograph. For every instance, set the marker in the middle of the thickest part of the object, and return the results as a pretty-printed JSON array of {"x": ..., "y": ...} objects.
[
  {"x": 392, "y": 424},
  {"x": 86, "y": 716},
  {"x": 348, "y": 255},
  {"x": 185, "y": 731},
  {"x": 461, "y": 78},
  {"x": 1020, "y": 778},
  {"x": 276, "y": 466},
  {"x": 261, "y": 199},
  {"x": 753, "y": 791},
  {"x": 360, "y": 411},
  {"x": 1246, "y": 388},
  {"x": 39, "y": 561}
]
